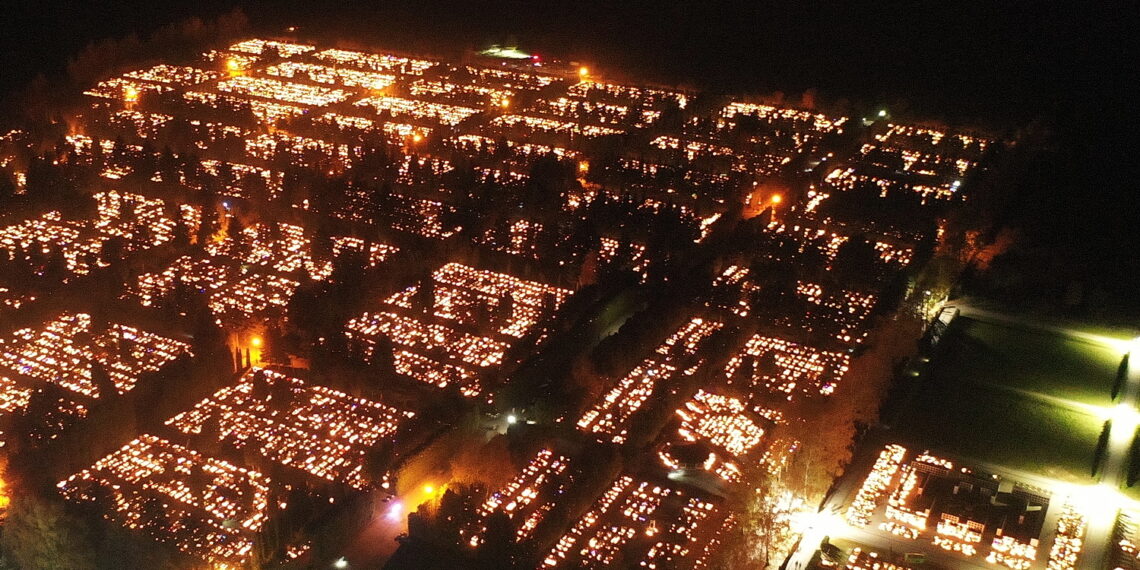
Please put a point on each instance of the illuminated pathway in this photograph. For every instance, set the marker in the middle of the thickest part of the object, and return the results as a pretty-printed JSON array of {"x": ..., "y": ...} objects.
[{"x": 1114, "y": 471}]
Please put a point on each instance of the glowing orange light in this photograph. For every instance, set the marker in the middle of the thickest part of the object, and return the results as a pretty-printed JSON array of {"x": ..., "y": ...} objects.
[
  {"x": 777, "y": 199},
  {"x": 255, "y": 341},
  {"x": 583, "y": 71},
  {"x": 130, "y": 94},
  {"x": 5, "y": 499},
  {"x": 233, "y": 66},
  {"x": 505, "y": 103},
  {"x": 429, "y": 489},
  {"x": 417, "y": 137}
]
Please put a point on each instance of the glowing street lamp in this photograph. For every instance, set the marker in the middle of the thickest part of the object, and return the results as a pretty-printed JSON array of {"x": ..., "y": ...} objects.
[
  {"x": 583, "y": 72},
  {"x": 256, "y": 342},
  {"x": 776, "y": 199}
]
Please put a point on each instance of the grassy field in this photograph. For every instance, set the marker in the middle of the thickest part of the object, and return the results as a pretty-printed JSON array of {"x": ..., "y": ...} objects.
[
  {"x": 1024, "y": 359},
  {"x": 1002, "y": 428},
  {"x": 992, "y": 393}
]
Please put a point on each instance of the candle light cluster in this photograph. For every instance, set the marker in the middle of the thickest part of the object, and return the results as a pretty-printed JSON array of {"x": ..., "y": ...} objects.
[
  {"x": 781, "y": 366},
  {"x": 251, "y": 296},
  {"x": 203, "y": 505},
  {"x": 609, "y": 417},
  {"x": 542, "y": 124},
  {"x": 956, "y": 508},
  {"x": 722, "y": 422},
  {"x": 441, "y": 353},
  {"x": 375, "y": 61},
  {"x": 321, "y": 431},
  {"x": 861, "y": 559},
  {"x": 140, "y": 222},
  {"x": 527, "y": 498},
  {"x": 875, "y": 485},
  {"x": 1069, "y": 539},
  {"x": 927, "y": 162},
  {"x": 331, "y": 75},
  {"x": 424, "y": 110},
  {"x": 646, "y": 525},
  {"x": 64, "y": 350}
]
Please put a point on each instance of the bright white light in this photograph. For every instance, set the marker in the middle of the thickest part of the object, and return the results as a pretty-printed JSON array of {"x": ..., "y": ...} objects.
[
  {"x": 882, "y": 112},
  {"x": 1096, "y": 501},
  {"x": 1125, "y": 420},
  {"x": 395, "y": 511},
  {"x": 815, "y": 526},
  {"x": 341, "y": 562},
  {"x": 512, "y": 419}
]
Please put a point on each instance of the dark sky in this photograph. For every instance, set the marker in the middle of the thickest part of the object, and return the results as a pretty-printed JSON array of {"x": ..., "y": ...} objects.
[{"x": 964, "y": 59}]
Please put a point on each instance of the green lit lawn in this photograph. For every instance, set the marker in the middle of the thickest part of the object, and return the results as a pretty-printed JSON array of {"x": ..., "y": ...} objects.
[
  {"x": 1028, "y": 360},
  {"x": 999, "y": 427},
  {"x": 960, "y": 408}
]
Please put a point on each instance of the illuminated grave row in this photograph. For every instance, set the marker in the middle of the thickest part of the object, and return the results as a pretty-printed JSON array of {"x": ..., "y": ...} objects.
[
  {"x": 375, "y": 61},
  {"x": 205, "y": 506},
  {"x": 959, "y": 510},
  {"x": 784, "y": 367},
  {"x": 331, "y": 75},
  {"x": 842, "y": 313},
  {"x": 860, "y": 559},
  {"x": 643, "y": 96},
  {"x": 282, "y": 247},
  {"x": 526, "y": 499},
  {"x": 282, "y": 49},
  {"x": 462, "y": 297},
  {"x": 722, "y": 422},
  {"x": 584, "y": 110},
  {"x": 643, "y": 525},
  {"x": 543, "y": 124},
  {"x": 609, "y": 417},
  {"x": 485, "y": 94},
  {"x": 252, "y": 296},
  {"x": 64, "y": 350},
  {"x": 142, "y": 223},
  {"x": 441, "y": 112},
  {"x": 321, "y": 431},
  {"x": 184, "y": 76},
  {"x": 1069, "y": 539}
]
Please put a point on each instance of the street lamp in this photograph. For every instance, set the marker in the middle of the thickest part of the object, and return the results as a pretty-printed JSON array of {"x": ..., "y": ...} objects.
[{"x": 341, "y": 562}]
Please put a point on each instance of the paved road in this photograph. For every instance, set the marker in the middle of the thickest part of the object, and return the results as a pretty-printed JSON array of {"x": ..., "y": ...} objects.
[{"x": 376, "y": 542}]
